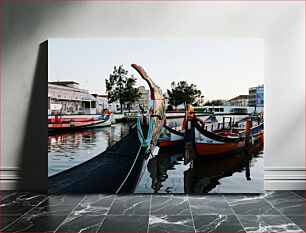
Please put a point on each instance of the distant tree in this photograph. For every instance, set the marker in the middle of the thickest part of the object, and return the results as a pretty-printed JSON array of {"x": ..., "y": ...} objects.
[
  {"x": 120, "y": 87},
  {"x": 182, "y": 93},
  {"x": 131, "y": 94},
  {"x": 214, "y": 103},
  {"x": 199, "y": 101}
]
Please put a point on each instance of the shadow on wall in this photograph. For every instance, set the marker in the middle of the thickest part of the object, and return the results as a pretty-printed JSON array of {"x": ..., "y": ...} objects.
[{"x": 33, "y": 164}]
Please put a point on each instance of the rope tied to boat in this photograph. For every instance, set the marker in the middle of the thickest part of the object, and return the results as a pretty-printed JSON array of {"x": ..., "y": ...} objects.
[{"x": 145, "y": 142}]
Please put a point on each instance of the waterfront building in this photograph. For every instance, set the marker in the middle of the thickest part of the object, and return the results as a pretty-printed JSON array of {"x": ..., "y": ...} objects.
[
  {"x": 89, "y": 103},
  {"x": 226, "y": 102},
  {"x": 143, "y": 100},
  {"x": 256, "y": 96},
  {"x": 114, "y": 106},
  {"x": 102, "y": 102},
  {"x": 66, "y": 97},
  {"x": 240, "y": 100}
]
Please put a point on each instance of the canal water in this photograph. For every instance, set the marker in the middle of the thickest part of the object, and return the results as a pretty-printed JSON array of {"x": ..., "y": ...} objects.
[
  {"x": 166, "y": 172},
  {"x": 66, "y": 150}
]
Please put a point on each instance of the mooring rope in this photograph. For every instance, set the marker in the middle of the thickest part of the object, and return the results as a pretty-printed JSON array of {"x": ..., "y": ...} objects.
[
  {"x": 144, "y": 143},
  {"x": 127, "y": 176}
]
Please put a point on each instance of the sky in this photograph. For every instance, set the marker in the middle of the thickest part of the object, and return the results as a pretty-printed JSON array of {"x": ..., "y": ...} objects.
[{"x": 222, "y": 68}]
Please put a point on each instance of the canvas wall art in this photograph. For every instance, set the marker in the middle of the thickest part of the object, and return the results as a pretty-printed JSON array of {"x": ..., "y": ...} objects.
[{"x": 156, "y": 115}]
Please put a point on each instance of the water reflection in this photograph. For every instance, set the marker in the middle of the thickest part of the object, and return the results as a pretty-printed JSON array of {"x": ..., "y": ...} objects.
[
  {"x": 206, "y": 175},
  {"x": 66, "y": 150},
  {"x": 216, "y": 174},
  {"x": 160, "y": 166}
]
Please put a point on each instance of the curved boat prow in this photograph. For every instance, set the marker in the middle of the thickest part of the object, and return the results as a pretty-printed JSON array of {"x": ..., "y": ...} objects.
[
  {"x": 155, "y": 91},
  {"x": 158, "y": 108}
]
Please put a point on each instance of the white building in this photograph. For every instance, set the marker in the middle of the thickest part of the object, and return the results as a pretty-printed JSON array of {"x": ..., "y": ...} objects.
[
  {"x": 102, "y": 102},
  {"x": 143, "y": 100},
  {"x": 65, "y": 97},
  {"x": 89, "y": 103},
  {"x": 240, "y": 100},
  {"x": 114, "y": 106}
]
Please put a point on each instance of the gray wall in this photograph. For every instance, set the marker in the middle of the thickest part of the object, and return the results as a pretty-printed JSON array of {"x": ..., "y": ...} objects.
[{"x": 24, "y": 70}]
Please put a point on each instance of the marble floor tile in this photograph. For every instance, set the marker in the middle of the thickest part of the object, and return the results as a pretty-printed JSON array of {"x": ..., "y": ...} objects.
[
  {"x": 81, "y": 223},
  {"x": 301, "y": 193},
  {"x": 127, "y": 223},
  {"x": 217, "y": 223},
  {"x": 35, "y": 223},
  {"x": 62, "y": 199},
  {"x": 20, "y": 203},
  {"x": 57, "y": 205},
  {"x": 299, "y": 220},
  {"x": 286, "y": 202},
  {"x": 44, "y": 208},
  {"x": 130, "y": 204},
  {"x": 7, "y": 220},
  {"x": 209, "y": 205},
  {"x": 46, "y": 216},
  {"x": 250, "y": 205},
  {"x": 95, "y": 204},
  {"x": 170, "y": 205},
  {"x": 5, "y": 194},
  {"x": 177, "y": 223},
  {"x": 266, "y": 223}
]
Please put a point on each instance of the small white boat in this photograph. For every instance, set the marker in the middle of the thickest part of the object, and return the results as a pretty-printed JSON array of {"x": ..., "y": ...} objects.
[
  {"x": 106, "y": 121},
  {"x": 103, "y": 124}
]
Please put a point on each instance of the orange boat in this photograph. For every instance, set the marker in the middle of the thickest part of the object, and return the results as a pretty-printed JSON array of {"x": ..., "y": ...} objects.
[
  {"x": 72, "y": 125},
  {"x": 214, "y": 142},
  {"x": 224, "y": 140}
]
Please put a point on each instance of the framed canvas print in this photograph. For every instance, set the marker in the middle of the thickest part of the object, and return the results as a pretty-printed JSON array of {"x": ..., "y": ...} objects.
[{"x": 156, "y": 115}]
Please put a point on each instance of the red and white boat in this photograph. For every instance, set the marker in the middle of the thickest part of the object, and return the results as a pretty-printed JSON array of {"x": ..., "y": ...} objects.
[
  {"x": 213, "y": 138},
  {"x": 224, "y": 140},
  {"x": 172, "y": 137},
  {"x": 72, "y": 124}
]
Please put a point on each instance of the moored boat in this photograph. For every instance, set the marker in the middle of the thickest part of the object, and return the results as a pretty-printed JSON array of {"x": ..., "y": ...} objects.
[
  {"x": 117, "y": 169},
  {"x": 156, "y": 110},
  {"x": 210, "y": 137},
  {"x": 66, "y": 124},
  {"x": 97, "y": 124},
  {"x": 223, "y": 140},
  {"x": 114, "y": 170},
  {"x": 175, "y": 136},
  {"x": 170, "y": 138}
]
